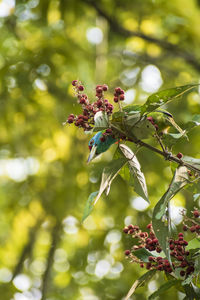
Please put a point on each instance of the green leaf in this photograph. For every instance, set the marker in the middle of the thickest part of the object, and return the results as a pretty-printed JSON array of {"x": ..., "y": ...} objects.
[
  {"x": 139, "y": 282},
  {"x": 132, "y": 109},
  {"x": 170, "y": 139},
  {"x": 192, "y": 291},
  {"x": 193, "y": 161},
  {"x": 140, "y": 186},
  {"x": 164, "y": 288},
  {"x": 89, "y": 205},
  {"x": 193, "y": 123},
  {"x": 160, "y": 225},
  {"x": 158, "y": 99},
  {"x": 193, "y": 244},
  {"x": 109, "y": 173},
  {"x": 196, "y": 197},
  {"x": 101, "y": 121},
  {"x": 143, "y": 254},
  {"x": 139, "y": 128}
]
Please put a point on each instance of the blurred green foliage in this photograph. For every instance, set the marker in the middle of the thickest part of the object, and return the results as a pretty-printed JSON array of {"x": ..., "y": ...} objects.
[{"x": 46, "y": 253}]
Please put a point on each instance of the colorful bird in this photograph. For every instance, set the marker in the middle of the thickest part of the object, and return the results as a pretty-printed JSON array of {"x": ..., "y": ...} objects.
[{"x": 99, "y": 144}]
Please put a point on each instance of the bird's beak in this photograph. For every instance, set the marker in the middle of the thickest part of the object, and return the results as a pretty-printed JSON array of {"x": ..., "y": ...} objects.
[{"x": 92, "y": 154}]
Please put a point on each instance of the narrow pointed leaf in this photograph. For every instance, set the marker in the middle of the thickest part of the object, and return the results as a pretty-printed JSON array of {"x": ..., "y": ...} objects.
[
  {"x": 160, "y": 224},
  {"x": 109, "y": 173},
  {"x": 164, "y": 288},
  {"x": 140, "y": 186},
  {"x": 139, "y": 282},
  {"x": 89, "y": 205},
  {"x": 158, "y": 99}
]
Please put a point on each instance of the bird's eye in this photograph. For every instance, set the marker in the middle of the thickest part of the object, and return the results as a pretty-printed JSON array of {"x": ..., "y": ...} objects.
[{"x": 91, "y": 142}]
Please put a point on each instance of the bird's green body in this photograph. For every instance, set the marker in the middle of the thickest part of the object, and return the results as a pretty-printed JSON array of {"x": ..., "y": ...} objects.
[
  {"x": 137, "y": 125},
  {"x": 97, "y": 146}
]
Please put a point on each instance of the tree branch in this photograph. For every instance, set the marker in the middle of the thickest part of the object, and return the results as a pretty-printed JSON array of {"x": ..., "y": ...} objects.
[
  {"x": 165, "y": 154},
  {"x": 55, "y": 239},
  {"x": 173, "y": 49},
  {"x": 26, "y": 251}
]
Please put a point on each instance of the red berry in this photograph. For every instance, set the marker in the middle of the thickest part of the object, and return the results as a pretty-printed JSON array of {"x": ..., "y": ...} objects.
[
  {"x": 158, "y": 249},
  {"x": 196, "y": 213},
  {"x": 130, "y": 226},
  {"x": 180, "y": 258},
  {"x": 102, "y": 139},
  {"x": 183, "y": 264},
  {"x": 127, "y": 252},
  {"x": 105, "y": 87},
  {"x": 85, "y": 118},
  {"x": 142, "y": 265},
  {"x": 149, "y": 226},
  {"x": 148, "y": 266},
  {"x": 156, "y": 127},
  {"x": 82, "y": 101},
  {"x": 151, "y": 258},
  {"x": 171, "y": 247},
  {"x": 180, "y": 234},
  {"x": 197, "y": 228},
  {"x": 182, "y": 273},
  {"x": 115, "y": 99},
  {"x": 159, "y": 258},
  {"x": 81, "y": 87},
  {"x": 99, "y": 103},
  {"x": 74, "y": 82},
  {"x": 121, "y": 97},
  {"x": 118, "y": 90},
  {"x": 185, "y": 228},
  {"x": 125, "y": 230},
  {"x": 193, "y": 228},
  {"x": 108, "y": 130},
  {"x": 70, "y": 120},
  {"x": 179, "y": 155}
]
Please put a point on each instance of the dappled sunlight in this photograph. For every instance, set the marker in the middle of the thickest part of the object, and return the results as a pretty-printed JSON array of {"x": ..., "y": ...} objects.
[
  {"x": 47, "y": 251},
  {"x": 151, "y": 79},
  {"x": 18, "y": 169}
]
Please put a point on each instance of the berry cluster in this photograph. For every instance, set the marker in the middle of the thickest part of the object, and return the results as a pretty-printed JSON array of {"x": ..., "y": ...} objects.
[
  {"x": 192, "y": 224},
  {"x": 179, "y": 254},
  {"x": 118, "y": 95},
  {"x": 86, "y": 119}
]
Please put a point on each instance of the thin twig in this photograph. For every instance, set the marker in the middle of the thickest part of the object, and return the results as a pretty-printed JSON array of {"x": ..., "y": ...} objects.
[{"x": 165, "y": 154}]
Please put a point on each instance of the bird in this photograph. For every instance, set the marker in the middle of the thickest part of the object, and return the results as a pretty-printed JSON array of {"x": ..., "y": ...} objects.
[
  {"x": 138, "y": 127},
  {"x": 99, "y": 143}
]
